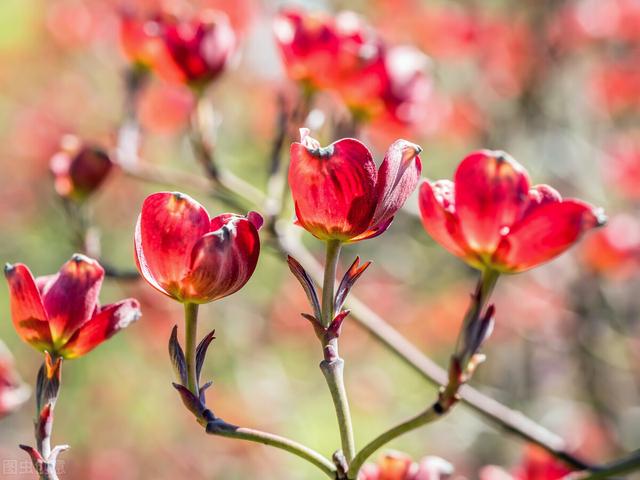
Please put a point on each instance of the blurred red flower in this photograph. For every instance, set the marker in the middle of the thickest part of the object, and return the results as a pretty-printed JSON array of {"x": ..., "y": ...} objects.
[
  {"x": 79, "y": 168},
  {"x": 339, "y": 195},
  {"x": 13, "y": 392},
  {"x": 491, "y": 217},
  {"x": 399, "y": 466},
  {"x": 190, "y": 257},
  {"x": 621, "y": 165},
  {"x": 536, "y": 465},
  {"x": 60, "y": 313},
  {"x": 343, "y": 54},
  {"x": 192, "y": 50},
  {"x": 615, "y": 249}
]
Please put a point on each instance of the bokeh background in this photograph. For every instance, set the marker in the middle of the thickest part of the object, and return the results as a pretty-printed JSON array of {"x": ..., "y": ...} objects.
[{"x": 556, "y": 83}]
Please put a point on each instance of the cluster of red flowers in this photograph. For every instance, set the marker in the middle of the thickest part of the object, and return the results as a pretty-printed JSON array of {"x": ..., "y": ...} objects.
[
  {"x": 192, "y": 50},
  {"x": 343, "y": 54}
]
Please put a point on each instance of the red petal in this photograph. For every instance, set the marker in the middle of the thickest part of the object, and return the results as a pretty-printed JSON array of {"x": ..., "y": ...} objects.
[
  {"x": 541, "y": 195},
  {"x": 168, "y": 227},
  {"x": 546, "y": 232},
  {"x": 223, "y": 260},
  {"x": 71, "y": 297},
  {"x": 397, "y": 179},
  {"x": 333, "y": 187},
  {"x": 27, "y": 310},
  {"x": 104, "y": 324},
  {"x": 439, "y": 218},
  {"x": 491, "y": 193}
]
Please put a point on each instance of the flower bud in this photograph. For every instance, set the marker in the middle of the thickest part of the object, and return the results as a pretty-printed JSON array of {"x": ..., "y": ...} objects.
[{"x": 79, "y": 168}]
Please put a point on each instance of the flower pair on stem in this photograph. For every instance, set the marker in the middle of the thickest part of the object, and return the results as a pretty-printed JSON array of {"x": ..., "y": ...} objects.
[{"x": 490, "y": 217}]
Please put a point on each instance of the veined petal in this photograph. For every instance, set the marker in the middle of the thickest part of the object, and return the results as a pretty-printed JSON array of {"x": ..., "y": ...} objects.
[
  {"x": 222, "y": 260},
  {"x": 439, "y": 219},
  {"x": 105, "y": 323},
  {"x": 397, "y": 179},
  {"x": 333, "y": 187},
  {"x": 167, "y": 230},
  {"x": 27, "y": 309},
  {"x": 546, "y": 232},
  {"x": 491, "y": 193},
  {"x": 71, "y": 298}
]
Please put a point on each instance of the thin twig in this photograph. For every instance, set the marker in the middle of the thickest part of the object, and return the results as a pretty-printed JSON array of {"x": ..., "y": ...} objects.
[{"x": 623, "y": 466}]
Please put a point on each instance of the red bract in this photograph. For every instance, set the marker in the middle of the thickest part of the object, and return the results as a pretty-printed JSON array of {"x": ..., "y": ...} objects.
[
  {"x": 13, "y": 392},
  {"x": 60, "y": 313},
  {"x": 339, "y": 195},
  {"x": 189, "y": 257},
  {"x": 79, "y": 168},
  {"x": 200, "y": 47},
  {"x": 491, "y": 217}
]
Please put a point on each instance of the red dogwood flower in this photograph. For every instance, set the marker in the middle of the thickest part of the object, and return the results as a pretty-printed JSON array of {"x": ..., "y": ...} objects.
[
  {"x": 491, "y": 217},
  {"x": 79, "y": 168},
  {"x": 60, "y": 313},
  {"x": 338, "y": 193},
  {"x": 190, "y": 257},
  {"x": 200, "y": 47}
]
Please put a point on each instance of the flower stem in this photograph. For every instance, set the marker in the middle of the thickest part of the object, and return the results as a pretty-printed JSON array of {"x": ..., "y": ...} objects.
[
  {"x": 330, "y": 269},
  {"x": 191, "y": 333},
  {"x": 333, "y": 366},
  {"x": 448, "y": 395},
  {"x": 223, "y": 429}
]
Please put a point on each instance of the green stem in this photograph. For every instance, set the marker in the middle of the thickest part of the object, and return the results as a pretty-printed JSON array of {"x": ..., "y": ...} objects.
[
  {"x": 333, "y": 371},
  {"x": 333, "y": 366},
  {"x": 431, "y": 414},
  {"x": 448, "y": 396},
  {"x": 330, "y": 269},
  {"x": 224, "y": 429},
  {"x": 191, "y": 328}
]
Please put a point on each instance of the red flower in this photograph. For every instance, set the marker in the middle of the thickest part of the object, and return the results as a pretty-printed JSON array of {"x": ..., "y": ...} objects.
[
  {"x": 60, "y": 313},
  {"x": 79, "y": 169},
  {"x": 491, "y": 217},
  {"x": 320, "y": 50},
  {"x": 13, "y": 392},
  {"x": 200, "y": 47},
  {"x": 345, "y": 55},
  {"x": 187, "y": 256},
  {"x": 339, "y": 195},
  {"x": 615, "y": 249},
  {"x": 399, "y": 466}
]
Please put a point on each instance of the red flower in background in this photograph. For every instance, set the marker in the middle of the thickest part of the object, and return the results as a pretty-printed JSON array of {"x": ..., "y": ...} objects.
[
  {"x": 615, "y": 249},
  {"x": 339, "y": 195},
  {"x": 621, "y": 165},
  {"x": 194, "y": 51},
  {"x": 536, "y": 465},
  {"x": 320, "y": 50},
  {"x": 60, "y": 313},
  {"x": 200, "y": 47},
  {"x": 190, "y": 257},
  {"x": 79, "y": 168},
  {"x": 13, "y": 392},
  {"x": 491, "y": 217},
  {"x": 615, "y": 86},
  {"x": 343, "y": 54},
  {"x": 398, "y": 466}
]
